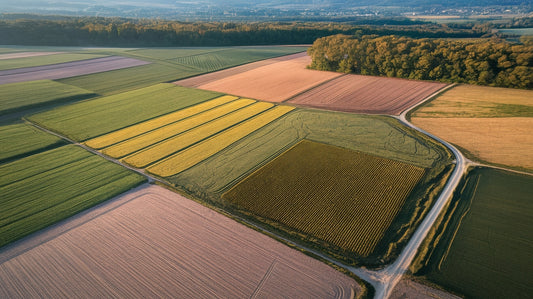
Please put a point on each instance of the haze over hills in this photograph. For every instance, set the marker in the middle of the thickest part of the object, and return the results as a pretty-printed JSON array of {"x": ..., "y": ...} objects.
[{"x": 264, "y": 9}]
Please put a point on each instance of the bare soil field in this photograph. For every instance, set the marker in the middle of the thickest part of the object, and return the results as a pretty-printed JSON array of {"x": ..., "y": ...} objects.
[
  {"x": 407, "y": 288},
  {"x": 367, "y": 94},
  {"x": 68, "y": 69},
  {"x": 154, "y": 243},
  {"x": 25, "y": 54},
  {"x": 506, "y": 141},
  {"x": 274, "y": 80}
]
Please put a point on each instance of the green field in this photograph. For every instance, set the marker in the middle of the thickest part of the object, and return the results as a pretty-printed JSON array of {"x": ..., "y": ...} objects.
[
  {"x": 89, "y": 119},
  {"x": 19, "y": 96},
  {"x": 42, "y": 189},
  {"x": 376, "y": 135},
  {"x": 6, "y": 64},
  {"x": 19, "y": 140},
  {"x": 335, "y": 197},
  {"x": 517, "y": 31},
  {"x": 483, "y": 247}
]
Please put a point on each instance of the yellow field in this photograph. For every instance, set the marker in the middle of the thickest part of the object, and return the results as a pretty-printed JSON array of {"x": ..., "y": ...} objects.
[
  {"x": 201, "y": 151},
  {"x": 129, "y": 132},
  {"x": 506, "y": 141},
  {"x": 179, "y": 142},
  {"x": 479, "y": 101},
  {"x": 137, "y": 143}
]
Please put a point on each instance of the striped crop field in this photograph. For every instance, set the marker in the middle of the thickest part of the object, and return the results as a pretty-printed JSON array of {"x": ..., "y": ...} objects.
[
  {"x": 179, "y": 142},
  {"x": 129, "y": 132},
  {"x": 135, "y": 144},
  {"x": 86, "y": 120},
  {"x": 331, "y": 195},
  {"x": 19, "y": 140},
  {"x": 44, "y": 188},
  {"x": 203, "y": 150},
  {"x": 8, "y": 64}
]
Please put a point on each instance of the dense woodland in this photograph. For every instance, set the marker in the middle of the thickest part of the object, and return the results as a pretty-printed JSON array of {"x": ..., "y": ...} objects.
[
  {"x": 476, "y": 61},
  {"x": 92, "y": 31}
]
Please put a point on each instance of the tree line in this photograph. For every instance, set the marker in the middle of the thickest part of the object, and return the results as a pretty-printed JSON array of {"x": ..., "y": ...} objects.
[
  {"x": 97, "y": 31},
  {"x": 490, "y": 62}
]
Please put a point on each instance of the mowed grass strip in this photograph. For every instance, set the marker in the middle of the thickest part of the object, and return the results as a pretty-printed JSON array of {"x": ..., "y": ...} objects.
[
  {"x": 19, "y": 140},
  {"x": 201, "y": 151},
  {"x": 135, "y": 144},
  {"x": 44, "y": 188},
  {"x": 129, "y": 132},
  {"x": 179, "y": 142},
  {"x": 18, "y": 96},
  {"x": 338, "y": 196},
  {"x": 89, "y": 119}
]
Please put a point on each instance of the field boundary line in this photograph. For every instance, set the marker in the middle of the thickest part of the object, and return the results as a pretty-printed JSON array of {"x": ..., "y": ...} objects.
[{"x": 309, "y": 89}]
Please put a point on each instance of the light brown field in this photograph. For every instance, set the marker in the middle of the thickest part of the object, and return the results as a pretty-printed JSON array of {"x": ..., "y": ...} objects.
[
  {"x": 407, "y": 288},
  {"x": 25, "y": 54},
  {"x": 367, "y": 94},
  {"x": 274, "y": 82},
  {"x": 506, "y": 141},
  {"x": 478, "y": 101},
  {"x": 155, "y": 243}
]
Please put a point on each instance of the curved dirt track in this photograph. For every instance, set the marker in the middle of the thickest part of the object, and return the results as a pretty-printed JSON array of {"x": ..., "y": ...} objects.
[{"x": 152, "y": 242}]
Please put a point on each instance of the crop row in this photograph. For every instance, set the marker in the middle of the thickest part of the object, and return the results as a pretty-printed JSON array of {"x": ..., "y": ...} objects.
[{"x": 344, "y": 198}]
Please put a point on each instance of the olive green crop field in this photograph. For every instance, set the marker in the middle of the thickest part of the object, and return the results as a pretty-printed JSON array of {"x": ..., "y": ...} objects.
[
  {"x": 14, "y": 63},
  {"x": 24, "y": 95},
  {"x": 343, "y": 198},
  {"x": 483, "y": 247},
  {"x": 45, "y": 188},
  {"x": 88, "y": 119},
  {"x": 19, "y": 140}
]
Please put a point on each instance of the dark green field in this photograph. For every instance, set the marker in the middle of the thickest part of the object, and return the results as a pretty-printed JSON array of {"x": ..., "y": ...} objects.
[
  {"x": 484, "y": 245},
  {"x": 44, "y": 188},
  {"x": 19, "y": 140}
]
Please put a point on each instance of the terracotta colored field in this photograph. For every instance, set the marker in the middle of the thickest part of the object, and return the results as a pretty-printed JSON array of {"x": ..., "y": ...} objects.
[
  {"x": 273, "y": 82},
  {"x": 505, "y": 141},
  {"x": 68, "y": 69},
  {"x": 367, "y": 94},
  {"x": 179, "y": 142},
  {"x": 25, "y": 54},
  {"x": 154, "y": 243},
  {"x": 341, "y": 197},
  {"x": 135, "y": 130}
]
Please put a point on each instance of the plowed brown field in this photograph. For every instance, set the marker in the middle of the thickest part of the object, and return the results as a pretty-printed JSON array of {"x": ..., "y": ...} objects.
[
  {"x": 154, "y": 243},
  {"x": 367, "y": 94},
  {"x": 273, "y": 80}
]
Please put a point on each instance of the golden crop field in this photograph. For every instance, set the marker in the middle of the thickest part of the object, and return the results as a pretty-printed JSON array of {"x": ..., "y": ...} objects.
[
  {"x": 201, "y": 151},
  {"x": 135, "y": 130},
  {"x": 161, "y": 150},
  {"x": 337, "y": 196},
  {"x": 135, "y": 144}
]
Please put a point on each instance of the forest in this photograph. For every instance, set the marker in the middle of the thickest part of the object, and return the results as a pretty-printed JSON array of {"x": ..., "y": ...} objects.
[{"x": 491, "y": 62}]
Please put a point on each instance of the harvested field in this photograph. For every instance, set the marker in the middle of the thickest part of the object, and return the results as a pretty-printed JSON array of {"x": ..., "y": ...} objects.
[
  {"x": 68, "y": 69},
  {"x": 505, "y": 141},
  {"x": 273, "y": 82},
  {"x": 203, "y": 150},
  {"x": 343, "y": 198},
  {"x": 155, "y": 243},
  {"x": 25, "y": 95},
  {"x": 86, "y": 120},
  {"x": 21, "y": 140},
  {"x": 479, "y": 101},
  {"x": 367, "y": 94},
  {"x": 44, "y": 188},
  {"x": 483, "y": 247},
  {"x": 25, "y": 54},
  {"x": 150, "y": 125},
  {"x": 182, "y": 141},
  {"x": 410, "y": 289}
]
